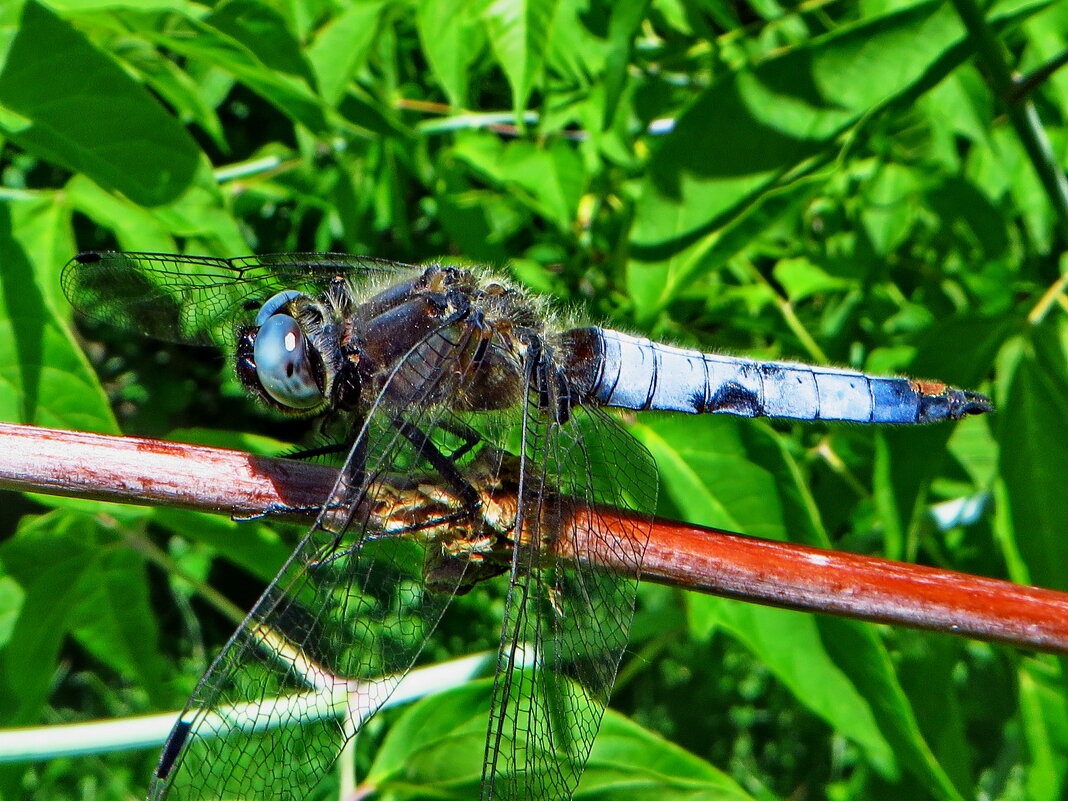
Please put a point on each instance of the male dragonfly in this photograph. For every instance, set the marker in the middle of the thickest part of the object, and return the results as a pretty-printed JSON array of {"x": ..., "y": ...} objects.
[{"x": 455, "y": 383}]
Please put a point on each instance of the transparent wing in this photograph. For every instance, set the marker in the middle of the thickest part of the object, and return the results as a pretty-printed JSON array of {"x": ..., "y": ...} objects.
[
  {"x": 337, "y": 629},
  {"x": 570, "y": 619},
  {"x": 194, "y": 299}
]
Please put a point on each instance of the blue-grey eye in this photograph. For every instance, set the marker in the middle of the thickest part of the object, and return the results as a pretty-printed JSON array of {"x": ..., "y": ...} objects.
[
  {"x": 273, "y": 304},
  {"x": 283, "y": 364}
]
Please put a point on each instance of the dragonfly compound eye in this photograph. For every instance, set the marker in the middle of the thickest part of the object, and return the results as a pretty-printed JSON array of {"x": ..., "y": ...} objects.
[
  {"x": 274, "y": 304},
  {"x": 284, "y": 365}
]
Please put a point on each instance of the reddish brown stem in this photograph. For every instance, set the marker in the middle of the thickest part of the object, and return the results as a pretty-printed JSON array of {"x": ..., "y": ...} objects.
[{"x": 131, "y": 470}]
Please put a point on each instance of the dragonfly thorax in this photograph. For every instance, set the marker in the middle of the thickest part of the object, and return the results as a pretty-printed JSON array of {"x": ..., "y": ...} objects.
[{"x": 443, "y": 335}]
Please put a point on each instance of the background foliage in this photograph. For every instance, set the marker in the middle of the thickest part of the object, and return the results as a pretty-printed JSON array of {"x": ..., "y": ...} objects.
[{"x": 832, "y": 182}]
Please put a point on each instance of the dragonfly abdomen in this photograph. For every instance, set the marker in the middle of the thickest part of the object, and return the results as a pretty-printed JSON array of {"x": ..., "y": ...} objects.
[{"x": 635, "y": 373}]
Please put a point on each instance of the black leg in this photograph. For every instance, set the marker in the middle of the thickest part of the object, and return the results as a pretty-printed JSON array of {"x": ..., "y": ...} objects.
[
  {"x": 445, "y": 465},
  {"x": 470, "y": 438},
  {"x": 322, "y": 450}
]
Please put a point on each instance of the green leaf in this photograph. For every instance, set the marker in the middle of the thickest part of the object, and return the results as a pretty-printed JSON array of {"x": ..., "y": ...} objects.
[
  {"x": 802, "y": 279},
  {"x": 134, "y": 226},
  {"x": 688, "y": 452},
  {"x": 718, "y": 476},
  {"x": 255, "y": 547},
  {"x": 1036, "y": 409},
  {"x": 891, "y": 210},
  {"x": 179, "y": 90},
  {"x": 452, "y": 39},
  {"x": 653, "y": 285},
  {"x": 289, "y": 93},
  {"x": 518, "y": 32},
  {"x": 551, "y": 178},
  {"x": 265, "y": 32},
  {"x": 625, "y": 19},
  {"x": 1042, "y": 707},
  {"x": 115, "y": 622},
  {"x": 44, "y": 377},
  {"x": 12, "y": 598},
  {"x": 55, "y": 566},
  {"x": 630, "y": 761},
  {"x": 759, "y": 124},
  {"x": 63, "y": 99},
  {"x": 342, "y": 45},
  {"x": 791, "y": 646},
  {"x": 859, "y": 652},
  {"x": 436, "y": 747},
  {"x": 439, "y": 740}
]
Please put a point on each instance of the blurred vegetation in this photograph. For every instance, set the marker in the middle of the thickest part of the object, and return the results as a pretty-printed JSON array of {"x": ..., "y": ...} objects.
[{"x": 831, "y": 182}]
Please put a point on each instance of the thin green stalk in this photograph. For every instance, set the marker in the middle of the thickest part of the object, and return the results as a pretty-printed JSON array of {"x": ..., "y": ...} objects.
[
  {"x": 1022, "y": 114},
  {"x": 793, "y": 322},
  {"x": 163, "y": 560}
]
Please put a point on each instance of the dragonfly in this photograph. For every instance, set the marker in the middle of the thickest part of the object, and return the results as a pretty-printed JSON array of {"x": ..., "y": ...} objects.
[{"x": 475, "y": 427}]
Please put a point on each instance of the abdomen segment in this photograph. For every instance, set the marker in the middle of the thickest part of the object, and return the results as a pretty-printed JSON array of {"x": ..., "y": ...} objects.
[{"x": 615, "y": 369}]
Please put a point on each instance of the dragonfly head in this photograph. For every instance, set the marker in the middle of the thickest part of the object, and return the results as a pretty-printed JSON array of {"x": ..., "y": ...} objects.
[{"x": 276, "y": 361}]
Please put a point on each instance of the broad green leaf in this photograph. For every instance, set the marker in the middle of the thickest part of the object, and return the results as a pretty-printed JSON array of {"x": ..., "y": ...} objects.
[
  {"x": 891, "y": 210},
  {"x": 198, "y": 40},
  {"x": 63, "y": 99},
  {"x": 253, "y": 546},
  {"x": 342, "y": 45},
  {"x": 441, "y": 738},
  {"x": 550, "y": 178},
  {"x": 56, "y": 566},
  {"x": 518, "y": 32},
  {"x": 626, "y": 17},
  {"x": 436, "y": 747},
  {"x": 790, "y": 644},
  {"x": 802, "y": 279},
  {"x": 1042, "y": 706},
  {"x": 12, "y": 598},
  {"x": 452, "y": 39},
  {"x": 135, "y": 227},
  {"x": 115, "y": 622},
  {"x": 655, "y": 284},
  {"x": 858, "y": 651},
  {"x": 265, "y": 32},
  {"x": 709, "y": 476},
  {"x": 630, "y": 761},
  {"x": 1034, "y": 415},
  {"x": 199, "y": 215},
  {"x": 179, "y": 89},
  {"x": 44, "y": 378},
  {"x": 745, "y": 483}
]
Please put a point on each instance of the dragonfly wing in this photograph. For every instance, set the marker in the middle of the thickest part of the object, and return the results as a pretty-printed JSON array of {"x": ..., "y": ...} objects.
[
  {"x": 195, "y": 299},
  {"x": 570, "y": 620},
  {"x": 332, "y": 636}
]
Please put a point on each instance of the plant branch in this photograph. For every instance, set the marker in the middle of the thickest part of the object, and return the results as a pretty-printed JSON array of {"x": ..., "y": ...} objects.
[
  {"x": 131, "y": 470},
  {"x": 1022, "y": 113}
]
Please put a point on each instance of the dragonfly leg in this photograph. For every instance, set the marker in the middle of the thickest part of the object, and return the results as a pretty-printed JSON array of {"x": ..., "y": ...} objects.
[
  {"x": 279, "y": 509},
  {"x": 445, "y": 465},
  {"x": 333, "y": 444},
  {"x": 470, "y": 438},
  {"x": 329, "y": 449}
]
